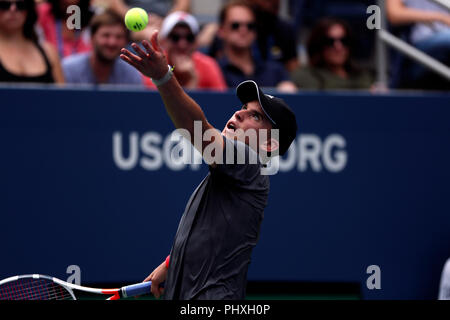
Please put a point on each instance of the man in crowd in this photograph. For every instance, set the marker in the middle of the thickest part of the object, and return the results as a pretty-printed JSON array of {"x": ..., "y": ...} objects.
[
  {"x": 238, "y": 62},
  {"x": 102, "y": 65}
]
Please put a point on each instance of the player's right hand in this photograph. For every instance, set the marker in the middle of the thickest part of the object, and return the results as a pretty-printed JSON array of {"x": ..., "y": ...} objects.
[
  {"x": 152, "y": 62},
  {"x": 157, "y": 277}
]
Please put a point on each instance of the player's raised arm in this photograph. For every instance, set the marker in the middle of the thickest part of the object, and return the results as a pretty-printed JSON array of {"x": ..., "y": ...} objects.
[{"x": 182, "y": 109}]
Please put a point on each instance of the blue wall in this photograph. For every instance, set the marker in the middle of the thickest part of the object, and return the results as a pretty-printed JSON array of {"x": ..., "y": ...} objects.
[{"x": 367, "y": 183}]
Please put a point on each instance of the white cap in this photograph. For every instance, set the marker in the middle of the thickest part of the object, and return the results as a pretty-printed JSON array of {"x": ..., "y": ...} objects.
[{"x": 175, "y": 18}]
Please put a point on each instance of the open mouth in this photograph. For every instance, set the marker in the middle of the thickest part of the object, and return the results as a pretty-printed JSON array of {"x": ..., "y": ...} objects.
[{"x": 231, "y": 126}]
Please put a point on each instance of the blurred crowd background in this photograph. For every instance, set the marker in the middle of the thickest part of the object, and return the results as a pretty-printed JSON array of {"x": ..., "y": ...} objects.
[{"x": 287, "y": 45}]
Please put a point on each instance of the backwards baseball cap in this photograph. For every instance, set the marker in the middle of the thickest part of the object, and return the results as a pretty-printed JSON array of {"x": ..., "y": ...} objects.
[
  {"x": 175, "y": 18},
  {"x": 277, "y": 111}
]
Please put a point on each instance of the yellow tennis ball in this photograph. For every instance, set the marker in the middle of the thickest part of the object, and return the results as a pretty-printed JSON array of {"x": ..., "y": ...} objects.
[{"x": 136, "y": 19}]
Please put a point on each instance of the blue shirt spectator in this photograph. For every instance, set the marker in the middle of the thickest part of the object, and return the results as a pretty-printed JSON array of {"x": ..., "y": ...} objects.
[
  {"x": 77, "y": 69},
  {"x": 266, "y": 73}
]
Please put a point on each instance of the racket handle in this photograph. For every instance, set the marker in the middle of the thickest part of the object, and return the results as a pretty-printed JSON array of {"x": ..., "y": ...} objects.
[{"x": 136, "y": 289}]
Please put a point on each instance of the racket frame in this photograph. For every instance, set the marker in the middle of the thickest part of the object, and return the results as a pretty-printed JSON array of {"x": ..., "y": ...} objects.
[{"x": 115, "y": 293}]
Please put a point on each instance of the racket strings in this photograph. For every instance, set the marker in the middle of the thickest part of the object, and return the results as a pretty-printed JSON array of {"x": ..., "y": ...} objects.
[
  {"x": 39, "y": 290},
  {"x": 33, "y": 289}
]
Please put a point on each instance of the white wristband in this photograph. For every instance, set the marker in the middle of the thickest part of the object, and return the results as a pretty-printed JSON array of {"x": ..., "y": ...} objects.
[{"x": 164, "y": 79}]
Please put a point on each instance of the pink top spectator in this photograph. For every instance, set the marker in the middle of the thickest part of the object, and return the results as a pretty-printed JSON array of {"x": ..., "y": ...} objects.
[{"x": 53, "y": 33}]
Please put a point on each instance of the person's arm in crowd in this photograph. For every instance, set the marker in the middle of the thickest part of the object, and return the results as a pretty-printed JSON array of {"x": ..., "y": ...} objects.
[
  {"x": 286, "y": 87},
  {"x": 119, "y": 6},
  {"x": 398, "y": 14},
  {"x": 181, "y": 5},
  {"x": 55, "y": 63},
  {"x": 206, "y": 35}
]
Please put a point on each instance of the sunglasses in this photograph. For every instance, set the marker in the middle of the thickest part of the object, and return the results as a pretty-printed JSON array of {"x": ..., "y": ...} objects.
[
  {"x": 251, "y": 26},
  {"x": 330, "y": 41},
  {"x": 6, "y": 5},
  {"x": 175, "y": 37}
]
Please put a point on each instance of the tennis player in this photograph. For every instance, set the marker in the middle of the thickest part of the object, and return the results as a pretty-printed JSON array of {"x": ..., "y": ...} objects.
[{"x": 221, "y": 222}]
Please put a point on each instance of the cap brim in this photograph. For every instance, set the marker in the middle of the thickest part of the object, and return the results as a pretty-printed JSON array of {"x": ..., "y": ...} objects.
[{"x": 249, "y": 91}]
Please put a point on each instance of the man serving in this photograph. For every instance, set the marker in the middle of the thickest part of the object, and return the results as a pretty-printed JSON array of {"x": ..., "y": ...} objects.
[{"x": 221, "y": 222}]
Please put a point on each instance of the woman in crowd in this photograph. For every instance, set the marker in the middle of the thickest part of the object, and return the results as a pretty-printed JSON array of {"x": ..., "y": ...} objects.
[
  {"x": 22, "y": 57},
  {"x": 331, "y": 66}
]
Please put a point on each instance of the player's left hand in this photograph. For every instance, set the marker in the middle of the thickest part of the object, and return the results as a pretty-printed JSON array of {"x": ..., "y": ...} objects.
[{"x": 152, "y": 62}]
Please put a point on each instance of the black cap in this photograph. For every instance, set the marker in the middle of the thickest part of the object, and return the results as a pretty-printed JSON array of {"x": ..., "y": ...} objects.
[{"x": 277, "y": 111}]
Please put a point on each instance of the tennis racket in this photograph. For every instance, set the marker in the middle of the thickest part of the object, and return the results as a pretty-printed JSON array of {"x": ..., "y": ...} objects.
[{"x": 41, "y": 287}]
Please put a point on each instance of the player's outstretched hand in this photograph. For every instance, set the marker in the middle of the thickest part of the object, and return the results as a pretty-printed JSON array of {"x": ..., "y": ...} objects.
[
  {"x": 152, "y": 62},
  {"x": 157, "y": 277}
]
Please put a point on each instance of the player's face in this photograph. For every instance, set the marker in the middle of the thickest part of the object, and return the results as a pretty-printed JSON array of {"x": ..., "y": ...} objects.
[
  {"x": 108, "y": 41},
  {"x": 250, "y": 116},
  {"x": 239, "y": 28},
  {"x": 336, "y": 52},
  {"x": 12, "y": 15}
]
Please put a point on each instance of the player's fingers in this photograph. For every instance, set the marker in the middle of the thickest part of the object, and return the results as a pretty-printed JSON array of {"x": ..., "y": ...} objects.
[
  {"x": 148, "y": 47},
  {"x": 148, "y": 278},
  {"x": 155, "y": 289},
  {"x": 139, "y": 51},
  {"x": 131, "y": 56},
  {"x": 128, "y": 60}
]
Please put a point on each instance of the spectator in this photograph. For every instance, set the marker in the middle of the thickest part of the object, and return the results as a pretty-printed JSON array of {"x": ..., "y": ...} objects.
[
  {"x": 53, "y": 23},
  {"x": 276, "y": 37},
  {"x": 157, "y": 9},
  {"x": 102, "y": 65},
  {"x": 193, "y": 69},
  {"x": 238, "y": 34},
  {"x": 22, "y": 57},
  {"x": 329, "y": 49},
  {"x": 430, "y": 33}
]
